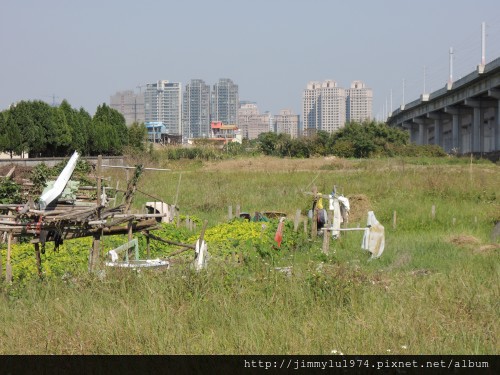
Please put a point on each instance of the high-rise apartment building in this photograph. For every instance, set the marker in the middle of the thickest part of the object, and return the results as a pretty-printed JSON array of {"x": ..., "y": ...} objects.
[
  {"x": 225, "y": 102},
  {"x": 287, "y": 122},
  {"x": 326, "y": 106},
  {"x": 251, "y": 122},
  {"x": 162, "y": 103},
  {"x": 129, "y": 104},
  {"x": 196, "y": 110},
  {"x": 359, "y": 100}
]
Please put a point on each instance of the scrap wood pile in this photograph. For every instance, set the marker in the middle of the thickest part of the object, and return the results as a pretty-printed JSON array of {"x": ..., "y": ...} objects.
[{"x": 54, "y": 218}]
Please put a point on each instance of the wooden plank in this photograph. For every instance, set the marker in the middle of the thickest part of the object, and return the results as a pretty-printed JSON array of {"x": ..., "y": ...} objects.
[{"x": 156, "y": 238}]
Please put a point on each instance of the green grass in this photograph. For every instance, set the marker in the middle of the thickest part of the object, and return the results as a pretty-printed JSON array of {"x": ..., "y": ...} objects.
[{"x": 435, "y": 289}]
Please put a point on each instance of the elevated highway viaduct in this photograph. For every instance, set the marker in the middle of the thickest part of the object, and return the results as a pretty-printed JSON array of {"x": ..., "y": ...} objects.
[{"x": 462, "y": 117}]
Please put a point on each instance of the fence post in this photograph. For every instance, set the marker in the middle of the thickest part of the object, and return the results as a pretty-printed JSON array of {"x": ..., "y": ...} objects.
[
  {"x": 326, "y": 241},
  {"x": 296, "y": 221}
]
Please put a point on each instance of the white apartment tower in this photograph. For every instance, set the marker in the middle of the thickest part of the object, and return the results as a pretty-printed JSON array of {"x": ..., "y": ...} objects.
[
  {"x": 324, "y": 107},
  {"x": 359, "y": 101},
  {"x": 162, "y": 103},
  {"x": 196, "y": 110},
  {"x": 225, "y": 102},
  {"x": 129, "y": 104},
  {"x": 287, "y": 122}
]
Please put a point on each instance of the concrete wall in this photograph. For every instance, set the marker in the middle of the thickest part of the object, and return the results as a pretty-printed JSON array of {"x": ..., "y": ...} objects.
[{"x": 50, "y": 162}]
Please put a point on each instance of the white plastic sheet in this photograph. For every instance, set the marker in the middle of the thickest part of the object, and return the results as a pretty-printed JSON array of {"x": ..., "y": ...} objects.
[{"x": 374, "y": 236}]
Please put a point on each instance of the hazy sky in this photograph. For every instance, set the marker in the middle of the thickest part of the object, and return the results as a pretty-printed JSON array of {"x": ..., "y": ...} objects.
[{"x": 85, "y": 51}]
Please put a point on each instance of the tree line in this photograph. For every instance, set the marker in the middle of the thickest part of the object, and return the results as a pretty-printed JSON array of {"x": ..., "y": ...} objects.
[
  {"x": 355, "y": 140},
  {"x": 40, "y": 130}
]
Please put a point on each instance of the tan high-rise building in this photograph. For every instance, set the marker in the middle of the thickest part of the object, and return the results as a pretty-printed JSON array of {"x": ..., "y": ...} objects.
[
  {"x": 324, "y": 107},
  {"x": 251, "y": 122},
  {"x": 129, "y": 104},
  {"x": 287, "y": 122},
  {"x": 359, "y": 101}
]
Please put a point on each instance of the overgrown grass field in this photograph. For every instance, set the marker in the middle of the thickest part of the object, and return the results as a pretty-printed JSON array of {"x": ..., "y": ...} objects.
[{"x": 435, "y": 289}]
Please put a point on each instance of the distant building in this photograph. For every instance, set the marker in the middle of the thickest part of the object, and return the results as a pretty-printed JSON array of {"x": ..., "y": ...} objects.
[
  {"x": 224, "y": 102},
  {"x": 359, "y": 101},
  {"x": 163, "y": 103},
  {"x": 130, "y": 105},
  {"x": 196, "y": 110},
  {"x": 324, "y": 106},
  {"x": 251, "y": 122},
  {"x": 286, "y": 122},
  {"x": 224, "y": 133}
]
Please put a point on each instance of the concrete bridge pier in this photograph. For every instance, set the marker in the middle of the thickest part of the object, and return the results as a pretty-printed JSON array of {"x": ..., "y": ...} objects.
[
  {"x": 495, "y": 93},
  {"x": 456, "y": 136},
  {"x": 438, "y": 128},
  {"x": 477, "y": 124},
  {"x": 422, "y": 131}
]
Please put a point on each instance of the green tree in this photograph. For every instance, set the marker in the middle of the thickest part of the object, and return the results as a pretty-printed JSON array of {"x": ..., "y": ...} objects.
[
  {"x": 137, "y": 134},
  {"x": 99, "y": 137},
  {"x": 77, "y": 128},
  {"x": 10, "y": 135},
  {"x": 267, "y": 143},
  {"x": 115, "y": 125},
  {"x": 59, "y": 144},
  {"x": 85, "y": 124}
]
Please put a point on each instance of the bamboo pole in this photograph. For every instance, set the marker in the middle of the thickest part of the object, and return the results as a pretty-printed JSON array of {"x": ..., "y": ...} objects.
[
  {"x": 8, "y": 266},
  {"x": 38, "y": 259}
]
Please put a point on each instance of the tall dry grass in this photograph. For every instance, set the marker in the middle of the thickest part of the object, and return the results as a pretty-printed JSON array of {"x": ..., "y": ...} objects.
[{"x": 431, "y": 292}]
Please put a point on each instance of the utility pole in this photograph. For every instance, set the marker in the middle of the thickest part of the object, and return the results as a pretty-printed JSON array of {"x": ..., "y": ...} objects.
[
  {"x": 483, "y": 43},
  {"x": 450, "y": 78}
]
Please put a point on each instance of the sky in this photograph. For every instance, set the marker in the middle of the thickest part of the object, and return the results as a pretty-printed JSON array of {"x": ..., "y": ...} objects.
[{"x": 85, "y": 51}]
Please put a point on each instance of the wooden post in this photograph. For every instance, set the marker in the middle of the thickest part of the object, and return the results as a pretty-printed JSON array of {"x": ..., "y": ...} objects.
[
  {"x": 99, "y": 166},
  {"x": 148, "y": 253},
  {"x": 296, "y": 220},
  {"x": 38, "y": 259},
  {"x": 329, "y": 217},
  {"x": 237, "y": 211},
  {"x": 230, "y": 212},
  {"x": 314, "y": 225},
  {"x": 326, "y": 241},
  {"x": 187, "y": 222},
  {"x": 8, "y": 267},
  {"x": 130, "y": 232},
  {"x": 433, "y": 212},
  {"x": 94, "y": 252},
  {"x": 394, "y": 220},
  {"x": 454, "y": 220}
]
